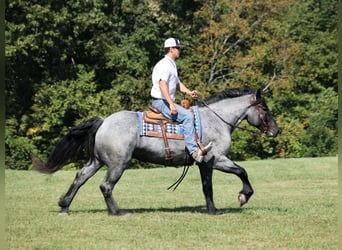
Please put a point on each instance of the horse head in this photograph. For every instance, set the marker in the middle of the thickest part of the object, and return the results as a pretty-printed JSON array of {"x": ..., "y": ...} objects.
[{"x": 261, "y": 117}]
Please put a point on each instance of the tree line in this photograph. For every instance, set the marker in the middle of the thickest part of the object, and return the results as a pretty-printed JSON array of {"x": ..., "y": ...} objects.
[{"x": 67, "y": 61}]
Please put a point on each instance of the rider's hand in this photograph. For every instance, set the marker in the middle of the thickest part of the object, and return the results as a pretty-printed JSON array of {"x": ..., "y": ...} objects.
[
  {"x": 173, "y": 109},
  {"x": 194, "y": 94}
]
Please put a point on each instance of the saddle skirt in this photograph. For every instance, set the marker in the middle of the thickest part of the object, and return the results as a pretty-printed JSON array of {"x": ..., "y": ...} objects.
[{"x": 149, "y": 125}]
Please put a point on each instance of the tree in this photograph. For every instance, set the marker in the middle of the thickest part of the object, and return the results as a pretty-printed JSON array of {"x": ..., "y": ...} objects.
[
  {"x": 69, "y": 60},
  {"x": 52, "y": 47},
  {"x": 238, "y": 45},
  {"x": 313, "y": 26},
  {"x": 244, "y": 44}
]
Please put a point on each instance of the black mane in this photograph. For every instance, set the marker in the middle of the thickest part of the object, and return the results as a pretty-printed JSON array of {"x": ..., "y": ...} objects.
[{"x": 230, "y": 93}]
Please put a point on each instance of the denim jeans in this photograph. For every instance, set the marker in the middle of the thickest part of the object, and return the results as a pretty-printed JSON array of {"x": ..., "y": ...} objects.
[{"x": 184, "y": 117}]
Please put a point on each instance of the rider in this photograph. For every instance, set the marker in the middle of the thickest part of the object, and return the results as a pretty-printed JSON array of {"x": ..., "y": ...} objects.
[{"x": 165, "y": 85}]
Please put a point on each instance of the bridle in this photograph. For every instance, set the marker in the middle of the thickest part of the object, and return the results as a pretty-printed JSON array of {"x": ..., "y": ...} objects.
[
  {"x": 257, "y": 104},
  {"x": 265, "y": 125}
]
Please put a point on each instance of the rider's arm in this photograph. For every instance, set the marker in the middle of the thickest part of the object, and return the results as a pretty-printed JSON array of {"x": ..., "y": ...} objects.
[
  {"x": 185, "y": 90},
  {"x": 165, "y": 93}
]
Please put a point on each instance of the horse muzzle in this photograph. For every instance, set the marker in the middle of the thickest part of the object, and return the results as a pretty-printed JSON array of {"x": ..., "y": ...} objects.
[{"x": 273, "y": 132}]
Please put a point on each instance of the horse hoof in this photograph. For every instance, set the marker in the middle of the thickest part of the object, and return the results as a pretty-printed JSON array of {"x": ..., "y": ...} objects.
[
  {"x": 64, "y": 211},
  {"x": 242, "y": 199}
]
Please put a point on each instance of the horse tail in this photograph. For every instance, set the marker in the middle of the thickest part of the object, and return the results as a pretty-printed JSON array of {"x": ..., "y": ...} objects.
[{"x": 77, "y": 144}]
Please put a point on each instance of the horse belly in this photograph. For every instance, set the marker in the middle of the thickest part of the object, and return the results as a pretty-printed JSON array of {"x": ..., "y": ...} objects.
[{"x": 150, "y": 149}]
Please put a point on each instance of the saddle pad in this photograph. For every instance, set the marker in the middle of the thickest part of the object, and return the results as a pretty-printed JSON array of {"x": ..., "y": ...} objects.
[{"x": 173, "y": 131}]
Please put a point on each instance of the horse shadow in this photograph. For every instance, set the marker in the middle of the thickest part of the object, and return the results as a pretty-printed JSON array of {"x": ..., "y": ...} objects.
[{"x": 182, "y": 209}]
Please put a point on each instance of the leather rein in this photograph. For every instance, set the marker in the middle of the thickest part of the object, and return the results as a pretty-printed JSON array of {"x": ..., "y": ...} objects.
[{"x": 265, "y": 126}]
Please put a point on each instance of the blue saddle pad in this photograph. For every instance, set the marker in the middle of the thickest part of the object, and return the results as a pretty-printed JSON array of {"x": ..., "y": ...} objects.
[{"x": 173, "y": 131}]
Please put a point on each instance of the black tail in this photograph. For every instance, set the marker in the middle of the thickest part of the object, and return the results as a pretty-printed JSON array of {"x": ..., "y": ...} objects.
[{"x": 73, "y": 145}]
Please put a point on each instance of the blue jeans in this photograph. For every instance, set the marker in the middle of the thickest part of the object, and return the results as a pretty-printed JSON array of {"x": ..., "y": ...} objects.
[{"x": 184, "y": 117}]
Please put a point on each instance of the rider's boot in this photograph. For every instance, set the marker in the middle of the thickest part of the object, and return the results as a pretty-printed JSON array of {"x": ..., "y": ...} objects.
[{"x": 198, "y": 155}]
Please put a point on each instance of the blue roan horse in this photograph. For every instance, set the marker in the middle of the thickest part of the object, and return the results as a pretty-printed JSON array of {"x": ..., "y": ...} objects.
[{"x": 106, "y": 144}]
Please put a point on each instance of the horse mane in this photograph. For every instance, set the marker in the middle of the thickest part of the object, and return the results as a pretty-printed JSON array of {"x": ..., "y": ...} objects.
[{"x": 229, "y": 93}]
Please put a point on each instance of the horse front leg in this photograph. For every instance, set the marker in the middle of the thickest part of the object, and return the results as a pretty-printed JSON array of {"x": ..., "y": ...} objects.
[
  {"x": 207, "y": 187},
  {"x": 81, "y": 177},
  {"x": 226, "y": 165}
]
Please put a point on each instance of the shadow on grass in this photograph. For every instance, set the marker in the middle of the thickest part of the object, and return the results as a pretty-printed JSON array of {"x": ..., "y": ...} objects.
[{"x": 186, "y": 209}]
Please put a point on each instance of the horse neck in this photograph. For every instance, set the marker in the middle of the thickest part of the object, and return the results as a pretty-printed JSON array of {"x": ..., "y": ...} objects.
[{"x": 231, "y": 110}]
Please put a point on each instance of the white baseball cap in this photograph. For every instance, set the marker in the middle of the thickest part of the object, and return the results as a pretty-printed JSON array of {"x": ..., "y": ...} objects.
[{"x": 172, "y": 42}]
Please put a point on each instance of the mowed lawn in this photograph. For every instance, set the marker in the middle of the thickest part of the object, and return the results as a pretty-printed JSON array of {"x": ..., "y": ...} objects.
[{"x": 294, "y": 207}]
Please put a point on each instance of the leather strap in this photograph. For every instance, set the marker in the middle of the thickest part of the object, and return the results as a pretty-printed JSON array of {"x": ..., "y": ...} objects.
[{"x": 168, "y": 158}]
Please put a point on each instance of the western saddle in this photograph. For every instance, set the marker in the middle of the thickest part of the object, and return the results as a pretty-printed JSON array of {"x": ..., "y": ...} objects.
[{"x": 154, "y": 116}]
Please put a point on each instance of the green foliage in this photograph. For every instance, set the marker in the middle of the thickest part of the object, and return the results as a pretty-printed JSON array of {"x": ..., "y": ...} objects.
[
  {"x": 67, "y": 61},
  {"x": 314, "y": 25},
  {"x": 18, "y": 147},
  {"x": 320, "y": 136},
  {"x": 61, "y": 106}
]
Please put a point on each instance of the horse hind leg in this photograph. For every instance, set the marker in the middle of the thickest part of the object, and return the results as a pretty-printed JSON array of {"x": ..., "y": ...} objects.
[
  {"x": 81, "y": 177},
  {"x": 112, "y": 177}
]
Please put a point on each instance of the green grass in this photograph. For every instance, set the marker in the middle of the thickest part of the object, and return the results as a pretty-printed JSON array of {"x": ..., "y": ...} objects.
[{"x": 294, "y": 207}]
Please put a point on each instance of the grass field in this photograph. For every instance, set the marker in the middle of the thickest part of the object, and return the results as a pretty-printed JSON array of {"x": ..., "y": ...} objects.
[{"x": 294, "y": 207}]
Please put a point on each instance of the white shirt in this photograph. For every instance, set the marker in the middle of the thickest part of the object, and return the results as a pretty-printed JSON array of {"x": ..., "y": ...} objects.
[{"x": 166, "y": 70}]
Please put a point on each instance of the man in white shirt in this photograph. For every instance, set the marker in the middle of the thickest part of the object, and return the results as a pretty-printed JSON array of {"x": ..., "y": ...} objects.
[{"x": 165, "y": 85}]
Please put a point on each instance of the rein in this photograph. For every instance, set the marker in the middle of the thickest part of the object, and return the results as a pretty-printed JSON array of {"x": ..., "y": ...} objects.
[
  {"x": 237, "y": 121},
  {"x": 180, "y": 179}
]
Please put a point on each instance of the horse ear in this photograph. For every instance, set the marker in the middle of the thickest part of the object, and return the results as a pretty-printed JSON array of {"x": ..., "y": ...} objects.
[{"x": 258, "y": 94}]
